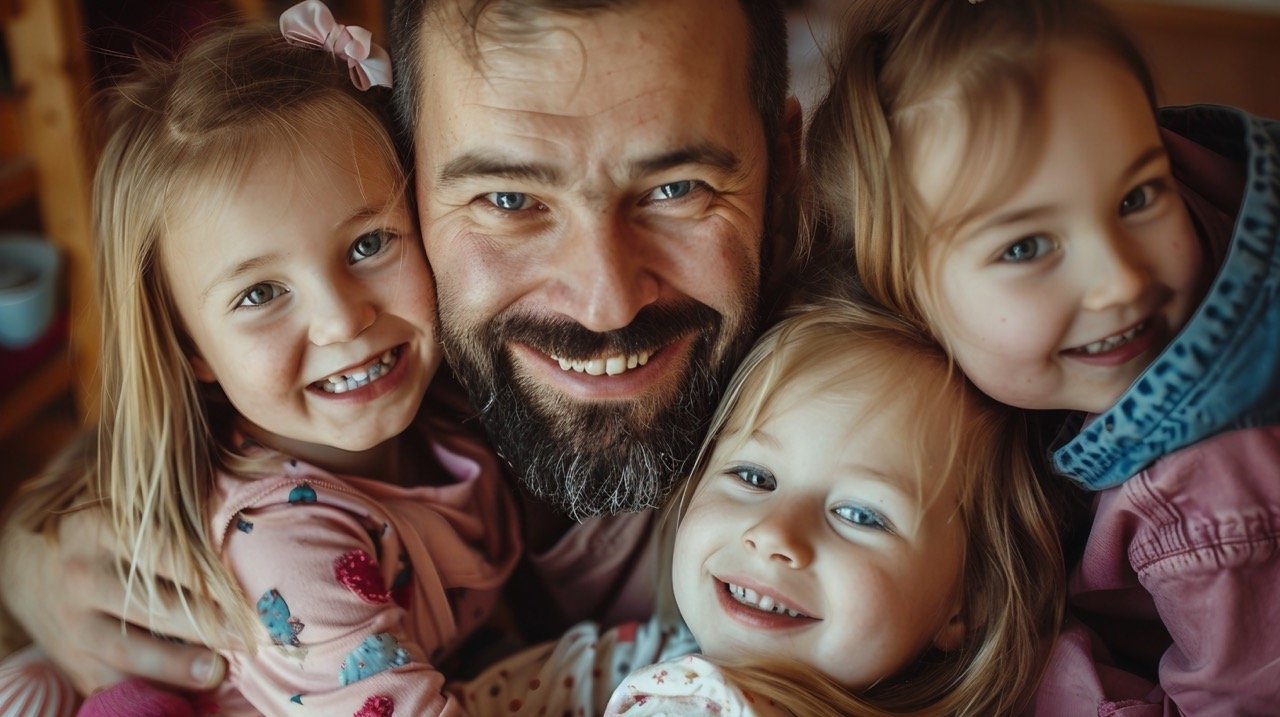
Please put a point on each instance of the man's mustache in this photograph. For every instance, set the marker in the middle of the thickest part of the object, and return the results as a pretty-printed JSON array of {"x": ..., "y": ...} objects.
[{"x": 653, "y": 327}]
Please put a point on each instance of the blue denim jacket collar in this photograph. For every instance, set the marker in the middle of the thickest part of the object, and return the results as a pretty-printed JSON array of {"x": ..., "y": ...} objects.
[{"x": 1222, "y": 371}]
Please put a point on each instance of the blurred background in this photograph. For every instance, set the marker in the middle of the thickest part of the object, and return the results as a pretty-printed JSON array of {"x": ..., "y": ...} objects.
[{"x": 55, "y": 53}]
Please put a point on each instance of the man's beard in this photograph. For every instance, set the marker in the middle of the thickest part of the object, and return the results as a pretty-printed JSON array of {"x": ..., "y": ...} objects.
[{"x": 592, "y": 458}]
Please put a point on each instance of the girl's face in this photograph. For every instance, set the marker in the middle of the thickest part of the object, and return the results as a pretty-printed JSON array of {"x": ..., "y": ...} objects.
[
  {"x": 308, "y": 298},
  {"x": 808, "y": 540},
  {"x": 1060, "y": 298}
]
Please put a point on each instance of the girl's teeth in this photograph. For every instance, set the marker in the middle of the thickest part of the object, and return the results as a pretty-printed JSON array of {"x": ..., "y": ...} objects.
[
  {"x": 341, "y": 383},
  {"x": 1112, "y": 342},
  {"x": 749, "y": 597}
]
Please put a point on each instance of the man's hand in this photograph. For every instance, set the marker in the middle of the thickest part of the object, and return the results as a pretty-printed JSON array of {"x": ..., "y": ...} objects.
[{"x": 69, "y": 599}]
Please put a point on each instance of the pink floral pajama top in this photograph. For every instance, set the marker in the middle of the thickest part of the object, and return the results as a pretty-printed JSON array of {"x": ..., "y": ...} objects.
[{"x": 361, "y": 586}]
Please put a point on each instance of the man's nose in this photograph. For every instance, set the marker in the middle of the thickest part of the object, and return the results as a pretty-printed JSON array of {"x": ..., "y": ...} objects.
[
  {"x": 1119, "y": 271},
  {"x": 781, "y": 535},
  {"x": 604, "y": 274},
  {"x": 341, "y": 311}
]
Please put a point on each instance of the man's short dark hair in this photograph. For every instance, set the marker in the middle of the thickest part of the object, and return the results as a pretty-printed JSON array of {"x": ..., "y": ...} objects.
[{"x": 767, "y": 49}]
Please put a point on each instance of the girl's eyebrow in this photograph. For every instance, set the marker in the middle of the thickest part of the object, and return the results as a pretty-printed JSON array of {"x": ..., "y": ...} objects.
[
  {"x": 1025, "y": 214},
  {"x": 237, "y": 271},
  {"x": 366, "y": 212},
  {"x": 759, "y": 435}
]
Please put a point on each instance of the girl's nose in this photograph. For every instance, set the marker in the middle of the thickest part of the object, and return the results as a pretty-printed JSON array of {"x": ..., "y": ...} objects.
[
  {"x": 341, "y": 314},
  {"x": 1119, "y": 274},
  {"x": 780, "y": 537}
]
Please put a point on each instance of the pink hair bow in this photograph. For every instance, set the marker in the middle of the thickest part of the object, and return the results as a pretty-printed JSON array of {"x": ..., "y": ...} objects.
[{"x": 310, "y": 24}]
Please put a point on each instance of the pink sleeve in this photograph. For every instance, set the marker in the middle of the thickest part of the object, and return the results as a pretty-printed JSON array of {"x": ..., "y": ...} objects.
[
  {"x": 1217, "y": 595},
  {"x": 1194, "y": 541},
  {"x": 1081, "y": 681},
  {"x": 333, "y": 640}
]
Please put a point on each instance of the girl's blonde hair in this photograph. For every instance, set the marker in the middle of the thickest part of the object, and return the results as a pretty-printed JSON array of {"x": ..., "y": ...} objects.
[
  {"x": 1013, "y": 575},
  {"x": 181, "y": 135},
  {"x": 903, "y": 68}
]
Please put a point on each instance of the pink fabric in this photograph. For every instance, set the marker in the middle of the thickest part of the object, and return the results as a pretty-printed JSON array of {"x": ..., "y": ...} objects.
[
  {"x": 363, "y": 586},
  {"x": 136, "y": 698},
  {"x": 1193, "y": 544},
  {"x": 603, "y": 569}
]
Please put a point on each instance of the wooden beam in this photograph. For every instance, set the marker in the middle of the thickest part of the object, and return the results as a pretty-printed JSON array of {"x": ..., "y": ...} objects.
[{"x": 51, "y": 84}]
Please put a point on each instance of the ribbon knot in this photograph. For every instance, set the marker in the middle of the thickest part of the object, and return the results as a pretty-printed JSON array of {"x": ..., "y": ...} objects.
[{"x": 310, "y": 24}]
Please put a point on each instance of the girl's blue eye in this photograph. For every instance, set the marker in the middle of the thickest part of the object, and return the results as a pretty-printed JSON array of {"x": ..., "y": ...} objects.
[
  {"x": 861, "y": 516},
  {"x": 367, "y": 246},
  {"x": 1137, "y": 199},
  {"x": 509, "y": 201},
  {"x": 671, "y": 190},
  {"x": 1027, "y": 249},
  {"x": 260, "y": 294},
  {"x": 757, "y": 478}
]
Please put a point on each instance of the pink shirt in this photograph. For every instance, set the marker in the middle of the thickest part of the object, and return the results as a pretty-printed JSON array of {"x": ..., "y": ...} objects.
[{"x": 363, "y": 586}]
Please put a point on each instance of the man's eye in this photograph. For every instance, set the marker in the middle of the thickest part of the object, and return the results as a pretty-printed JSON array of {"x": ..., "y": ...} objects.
[
  {"x": 260, "y": 294},
  {"x": 1138, "y": 199},
  {"x": 1027, "y": 249},
  {"x": 671, "y": 190},
  {"x": 861, "y": 516},
  {"x": 368, "y": 245},
  {"x": 509, "y": 201},
  {"x": 757, "y": 478}
]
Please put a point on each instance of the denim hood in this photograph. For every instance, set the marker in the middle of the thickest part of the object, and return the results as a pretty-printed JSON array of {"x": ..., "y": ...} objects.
[{"x": 1222, "y": 371}]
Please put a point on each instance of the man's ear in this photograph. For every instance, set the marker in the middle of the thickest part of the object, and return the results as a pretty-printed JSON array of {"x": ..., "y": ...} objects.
[
  {"x": 201, "y": 369},
  {"x": 951, "y": 636}
]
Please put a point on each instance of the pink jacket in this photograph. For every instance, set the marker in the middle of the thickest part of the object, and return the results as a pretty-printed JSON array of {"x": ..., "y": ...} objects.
[{"x": 1193, "y": 543}]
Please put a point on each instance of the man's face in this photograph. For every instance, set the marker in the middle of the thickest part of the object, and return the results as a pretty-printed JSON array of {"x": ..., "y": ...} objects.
[{"x": 592, "y": 197}]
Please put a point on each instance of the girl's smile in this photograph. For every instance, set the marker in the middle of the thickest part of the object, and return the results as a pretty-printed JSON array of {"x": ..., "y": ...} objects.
[{"x": 366, "y": 380}]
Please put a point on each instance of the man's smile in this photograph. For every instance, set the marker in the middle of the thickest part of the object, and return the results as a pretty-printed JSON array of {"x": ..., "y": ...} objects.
[
  {"x": 605, "y": 378},
  {"x": 611, "y": 366}
]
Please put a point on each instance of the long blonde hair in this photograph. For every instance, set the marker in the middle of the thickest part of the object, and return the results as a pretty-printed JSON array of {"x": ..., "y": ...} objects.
[
  {"x": 1013, "y": 576},
  {"x": 902, "y": 67},
  {"x": 181, "y": 135}
]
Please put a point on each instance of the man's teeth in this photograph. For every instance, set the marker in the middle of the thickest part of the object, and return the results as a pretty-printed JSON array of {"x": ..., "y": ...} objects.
[
  {"x": 341, "y": 383},
  {"x": 1111, "y": 342},
  {"x": 612, "y": 365},
  {"x": 747, "y": 596}
]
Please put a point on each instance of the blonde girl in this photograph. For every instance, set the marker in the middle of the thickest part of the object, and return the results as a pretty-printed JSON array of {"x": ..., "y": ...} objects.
[
  {"x": 864, "y": 534},
  {"x": 270, "y": 331},
  {"x": 999, "y": 177}
]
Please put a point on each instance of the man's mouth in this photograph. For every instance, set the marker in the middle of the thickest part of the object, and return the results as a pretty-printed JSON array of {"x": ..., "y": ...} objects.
[
  {"x": 763, "y": 603},
  {"x": 360, "y": 376},
  {"x": 1110, "y": 343},
  {"x": 609, "y": 366}
]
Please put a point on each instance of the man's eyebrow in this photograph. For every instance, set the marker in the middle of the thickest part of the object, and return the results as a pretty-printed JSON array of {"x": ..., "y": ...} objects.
[
  {"x": 704, "y": 153},
  {"x": 472, "y": 165}
]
